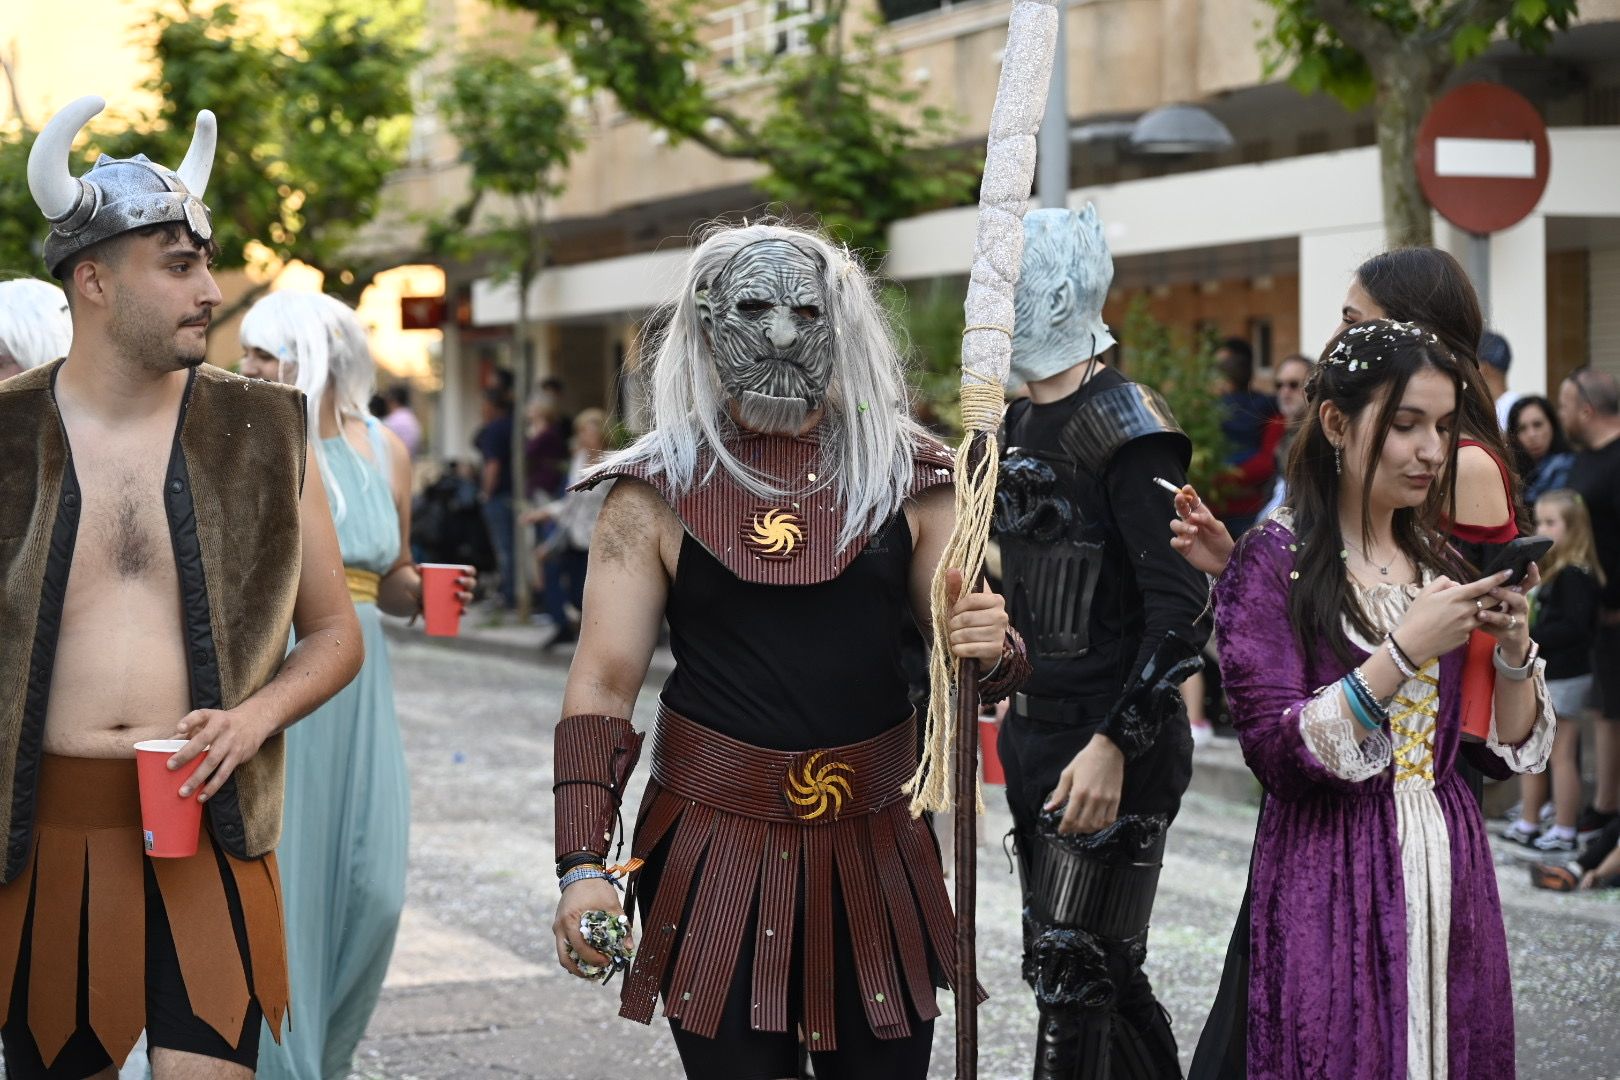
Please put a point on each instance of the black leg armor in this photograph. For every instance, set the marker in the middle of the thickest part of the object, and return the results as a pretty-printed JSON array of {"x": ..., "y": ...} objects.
[{"x": 1088, "y": 901}]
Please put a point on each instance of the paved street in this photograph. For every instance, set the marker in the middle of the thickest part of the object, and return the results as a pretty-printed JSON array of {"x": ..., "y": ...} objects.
[{"x": 475, "y": 991}]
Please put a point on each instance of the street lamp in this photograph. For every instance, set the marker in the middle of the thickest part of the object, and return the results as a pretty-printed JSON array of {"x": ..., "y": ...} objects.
[{"x": 1179, "y": 129}]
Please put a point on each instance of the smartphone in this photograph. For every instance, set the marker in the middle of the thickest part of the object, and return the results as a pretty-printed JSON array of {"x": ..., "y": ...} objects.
[{"x": 1517, "y": 555}]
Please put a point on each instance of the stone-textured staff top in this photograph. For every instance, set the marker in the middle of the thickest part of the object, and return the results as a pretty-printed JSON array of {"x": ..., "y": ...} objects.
[{"x": 1009, "y": 169}]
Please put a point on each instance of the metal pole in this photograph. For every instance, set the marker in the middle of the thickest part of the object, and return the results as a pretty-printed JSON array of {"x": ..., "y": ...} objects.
[
  {"x": 1479, "y": 268},
  {"x": 1052, "y": 141}
]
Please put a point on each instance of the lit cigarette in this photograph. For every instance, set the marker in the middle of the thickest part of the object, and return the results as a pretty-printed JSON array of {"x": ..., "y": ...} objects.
[{"x": 1167, "y": 485}]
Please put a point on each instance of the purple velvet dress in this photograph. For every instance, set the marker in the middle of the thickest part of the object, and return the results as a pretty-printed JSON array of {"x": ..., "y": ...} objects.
[{"x": 1375, "y": 921}]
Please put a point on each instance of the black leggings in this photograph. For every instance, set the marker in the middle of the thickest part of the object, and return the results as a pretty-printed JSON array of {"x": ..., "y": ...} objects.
[
  {"x": 170, "y": 1023},
  {"x": 738, "y": 1052}
]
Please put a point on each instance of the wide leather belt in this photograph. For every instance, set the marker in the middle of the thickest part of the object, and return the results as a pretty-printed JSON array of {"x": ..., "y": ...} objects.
[{"x": 810, "y": 787}]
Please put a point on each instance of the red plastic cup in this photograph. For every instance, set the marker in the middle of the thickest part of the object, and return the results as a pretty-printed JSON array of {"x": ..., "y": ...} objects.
[
  {"x": 170, "y": 824},
  {"x": 441, "y": 611},
  {"x": 989, "y": 730}
]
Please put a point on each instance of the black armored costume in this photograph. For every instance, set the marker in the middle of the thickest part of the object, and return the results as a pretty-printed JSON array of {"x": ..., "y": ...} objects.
[{"x": 1109, "y": 613}]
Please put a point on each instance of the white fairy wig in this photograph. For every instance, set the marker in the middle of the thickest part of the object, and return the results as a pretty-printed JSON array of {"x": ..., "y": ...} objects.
[
  {"x": 868, "y": 435},
  {"x": 35, "y": 327},
  {"x": 326, "y": 344}
]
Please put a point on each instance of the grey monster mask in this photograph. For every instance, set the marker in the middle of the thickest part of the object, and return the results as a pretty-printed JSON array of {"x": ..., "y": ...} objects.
[{"x": 765, "y": 318}]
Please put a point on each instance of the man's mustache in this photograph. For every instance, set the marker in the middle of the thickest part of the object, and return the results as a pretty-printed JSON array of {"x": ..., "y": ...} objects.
[{"x": 202, "y": 320}]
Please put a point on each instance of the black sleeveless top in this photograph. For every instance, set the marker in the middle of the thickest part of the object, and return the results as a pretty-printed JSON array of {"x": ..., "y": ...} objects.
[{"x": 793, "y": 667}]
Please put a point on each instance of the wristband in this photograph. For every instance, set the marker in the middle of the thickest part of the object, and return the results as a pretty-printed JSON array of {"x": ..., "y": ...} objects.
[
  {"x": 1363, "y": 705},
  {"x": 577, "y": 859},
  {"x": 583, "y": 873},
  {"x": 1511, "y": 673}
]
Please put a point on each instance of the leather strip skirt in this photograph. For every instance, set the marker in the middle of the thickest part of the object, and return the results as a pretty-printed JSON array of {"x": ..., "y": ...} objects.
[
  {"x": 86, "y": 876},
  {"x": 769, "y": 829}
]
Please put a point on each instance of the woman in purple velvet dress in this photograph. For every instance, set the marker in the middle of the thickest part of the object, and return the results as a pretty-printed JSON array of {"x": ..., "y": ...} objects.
[{"x": 1377, "y": 943}]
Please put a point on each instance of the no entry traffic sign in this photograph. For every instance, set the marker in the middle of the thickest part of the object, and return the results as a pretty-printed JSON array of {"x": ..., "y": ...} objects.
[{"x": 1482, "y": 157}]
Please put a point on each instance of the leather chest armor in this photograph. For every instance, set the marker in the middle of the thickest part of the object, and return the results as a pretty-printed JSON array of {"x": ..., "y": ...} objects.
[{"x": 1067, "y": 580}]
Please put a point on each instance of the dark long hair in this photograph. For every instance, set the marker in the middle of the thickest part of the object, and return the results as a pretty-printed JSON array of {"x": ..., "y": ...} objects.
[
  {"x": 1427, "y": 286},
  {"x": 1521, "y": 456},
  {"x": 1363, "y": 361}
]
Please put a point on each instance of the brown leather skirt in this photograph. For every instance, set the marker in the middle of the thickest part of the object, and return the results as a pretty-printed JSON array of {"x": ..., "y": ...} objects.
[
  {"x": 769, "y": 829},
  {"x": 87, "y": 876}
]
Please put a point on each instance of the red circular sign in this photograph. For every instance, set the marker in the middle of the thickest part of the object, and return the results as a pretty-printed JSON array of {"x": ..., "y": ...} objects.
[{"x": 1482, "y": 157}]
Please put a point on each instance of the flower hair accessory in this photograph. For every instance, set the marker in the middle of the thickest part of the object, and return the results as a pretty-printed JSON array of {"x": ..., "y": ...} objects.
[{"x": 1352, "y": 346}]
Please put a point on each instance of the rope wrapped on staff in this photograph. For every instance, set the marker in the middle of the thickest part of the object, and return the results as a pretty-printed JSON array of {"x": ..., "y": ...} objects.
[{"x": 998, "y": 251}]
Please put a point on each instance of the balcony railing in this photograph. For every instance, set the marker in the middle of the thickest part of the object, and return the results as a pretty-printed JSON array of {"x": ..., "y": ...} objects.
[{"x": 748, "y": 33}]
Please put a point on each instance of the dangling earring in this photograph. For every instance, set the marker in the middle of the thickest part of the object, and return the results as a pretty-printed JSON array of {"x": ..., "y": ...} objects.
[{"x": 1338, "y": 462}]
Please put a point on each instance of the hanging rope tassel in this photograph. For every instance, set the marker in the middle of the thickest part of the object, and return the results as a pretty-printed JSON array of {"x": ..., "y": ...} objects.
[{"x": 977, "y": 460}]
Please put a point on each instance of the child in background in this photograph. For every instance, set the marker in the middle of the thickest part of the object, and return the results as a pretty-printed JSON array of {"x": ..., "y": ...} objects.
[{"x": 1565, "y": 621}]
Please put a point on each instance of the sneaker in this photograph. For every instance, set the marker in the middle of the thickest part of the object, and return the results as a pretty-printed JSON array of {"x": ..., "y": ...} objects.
[
  {"x": 1592, "y": 822},
  {"x": 1521, "y": 834},
  {"x": 1202, "y": 734},
  {"x": 1551, "y": 841}
]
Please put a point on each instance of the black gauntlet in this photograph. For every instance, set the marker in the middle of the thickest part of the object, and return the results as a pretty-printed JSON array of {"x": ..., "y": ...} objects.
[{"x": 1134, "y": 722}]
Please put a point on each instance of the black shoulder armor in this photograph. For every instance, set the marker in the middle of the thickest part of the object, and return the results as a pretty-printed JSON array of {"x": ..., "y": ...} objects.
[{"x": 1115, "y": 417}]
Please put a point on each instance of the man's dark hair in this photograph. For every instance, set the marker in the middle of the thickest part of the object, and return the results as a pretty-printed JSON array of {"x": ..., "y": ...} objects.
[
  {"x": 1598, "y": 389},
  {"x": 1238, "y": 363},
  {"x": 498, "y": 397},
  {"x": 400, "y": 395},
  {"x": 113, "y": 249},
  {"x": 1495, "y": 351}
]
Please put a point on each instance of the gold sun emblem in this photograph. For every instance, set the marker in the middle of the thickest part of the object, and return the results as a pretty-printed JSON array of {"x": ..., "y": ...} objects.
[
  {"x": 814, "y": 791},
  {"x": 774, "y": 534}
]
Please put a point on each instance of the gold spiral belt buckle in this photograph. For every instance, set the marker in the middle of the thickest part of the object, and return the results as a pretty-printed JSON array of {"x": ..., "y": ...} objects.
[{"x": 816, "y": 790}]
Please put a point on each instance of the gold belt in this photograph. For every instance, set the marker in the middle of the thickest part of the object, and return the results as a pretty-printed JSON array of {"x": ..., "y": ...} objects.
[{"x": 363, "y": 585}]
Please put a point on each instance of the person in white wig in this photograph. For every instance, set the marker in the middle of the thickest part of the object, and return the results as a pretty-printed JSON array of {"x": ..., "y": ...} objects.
[
  {"x": 34, "y": 325},
  {"x": 343, "y": 848}
]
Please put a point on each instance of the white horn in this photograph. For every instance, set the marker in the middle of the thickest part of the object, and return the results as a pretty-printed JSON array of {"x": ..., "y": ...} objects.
[
  {"x": 51, "y": 183},
  {"x": 199, "y": 163}
]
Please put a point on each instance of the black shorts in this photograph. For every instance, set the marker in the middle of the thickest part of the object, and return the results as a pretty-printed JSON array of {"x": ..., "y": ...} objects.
[
  {"x": 170, "y": 1023},
  {"x": 1606, "y": 672}
]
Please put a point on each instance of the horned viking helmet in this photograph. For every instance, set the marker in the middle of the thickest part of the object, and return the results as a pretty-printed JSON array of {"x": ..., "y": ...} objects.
[{"x": 117, "y": 194}]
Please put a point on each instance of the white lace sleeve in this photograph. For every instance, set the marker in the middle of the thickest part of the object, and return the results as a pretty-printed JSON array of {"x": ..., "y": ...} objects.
[
  {"x": 1531, "y": 755},
  {"x": 1329, "y": 732}
]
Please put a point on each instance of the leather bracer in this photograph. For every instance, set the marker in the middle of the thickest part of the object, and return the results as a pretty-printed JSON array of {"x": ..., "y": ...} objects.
[
  {"x": 1136, "y": 719},
  {"x": 1010, "y": 673},
  {"x": 594, "y": 757}
]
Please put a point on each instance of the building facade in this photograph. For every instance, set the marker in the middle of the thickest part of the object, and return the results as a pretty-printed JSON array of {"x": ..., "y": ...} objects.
[{"x": 1256, "y": 242}]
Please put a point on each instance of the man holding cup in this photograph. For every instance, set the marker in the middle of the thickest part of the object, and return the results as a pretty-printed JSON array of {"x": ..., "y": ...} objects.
[{"x": 127, "y": 615}]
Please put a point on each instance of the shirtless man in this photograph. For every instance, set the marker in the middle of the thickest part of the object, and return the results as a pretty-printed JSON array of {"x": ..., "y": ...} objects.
[{"x": 128, "y": 612}]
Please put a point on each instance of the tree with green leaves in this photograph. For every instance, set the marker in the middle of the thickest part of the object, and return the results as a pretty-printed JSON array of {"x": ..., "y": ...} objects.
[
  {"x": 1184, "y": 373},
  {"x": 511, "y": 116},
  {"x": 1396, "y": 54},
  {"x": 835, "y": 127},
  {"x": 311, "y": 125}
]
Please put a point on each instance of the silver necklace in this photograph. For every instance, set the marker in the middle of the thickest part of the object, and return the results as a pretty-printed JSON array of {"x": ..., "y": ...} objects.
[{"x": 1384, "y": 570}]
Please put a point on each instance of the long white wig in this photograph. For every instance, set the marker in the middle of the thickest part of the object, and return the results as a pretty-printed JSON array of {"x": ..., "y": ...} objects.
[
  {"x": 35, "y": 327},
  {"x": 868, "y": 435},
  {"x": 323, "y": 340}
]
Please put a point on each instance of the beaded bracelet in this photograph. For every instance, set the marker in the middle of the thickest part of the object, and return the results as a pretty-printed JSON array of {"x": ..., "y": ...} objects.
[
  {"x": 1403, "y": 663},
  {"x": 583, "y": 873}
]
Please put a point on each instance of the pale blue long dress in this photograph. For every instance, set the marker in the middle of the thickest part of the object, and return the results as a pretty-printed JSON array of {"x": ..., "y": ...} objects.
[{"x": 347, "y": 818}]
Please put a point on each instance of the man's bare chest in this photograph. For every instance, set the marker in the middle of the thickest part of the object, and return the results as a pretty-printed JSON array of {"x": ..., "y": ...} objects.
[{"x": 123, "y": 536}]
